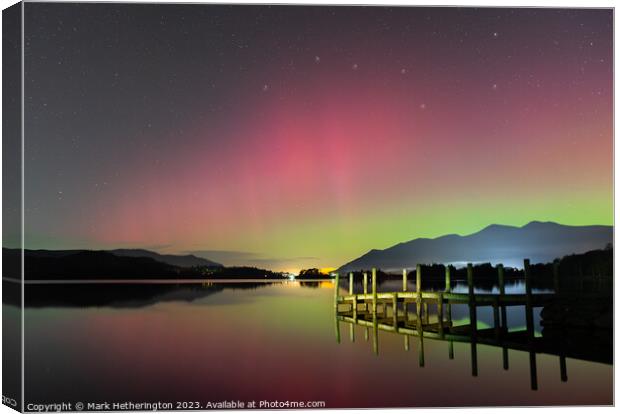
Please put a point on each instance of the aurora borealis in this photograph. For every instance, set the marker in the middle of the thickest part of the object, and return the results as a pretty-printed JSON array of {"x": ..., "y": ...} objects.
[{"x": 289, "y": 137}]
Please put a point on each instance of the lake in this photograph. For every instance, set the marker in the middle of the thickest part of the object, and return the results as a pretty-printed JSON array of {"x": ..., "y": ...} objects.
[{"x": 201, "y": 342}]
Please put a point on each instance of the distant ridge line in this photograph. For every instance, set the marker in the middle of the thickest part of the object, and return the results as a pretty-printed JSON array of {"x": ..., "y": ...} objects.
[{"x": 495, "y": 243}]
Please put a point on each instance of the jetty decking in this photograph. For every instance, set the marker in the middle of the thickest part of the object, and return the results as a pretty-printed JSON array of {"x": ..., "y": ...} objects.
[{"x": 390, "y": 312}]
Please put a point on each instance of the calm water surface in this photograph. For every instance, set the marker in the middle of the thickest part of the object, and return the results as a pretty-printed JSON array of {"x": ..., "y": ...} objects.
[{"x": 210, "y": 342}]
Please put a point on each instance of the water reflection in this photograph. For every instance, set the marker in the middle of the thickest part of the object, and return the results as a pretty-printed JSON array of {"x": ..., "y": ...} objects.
[
  {"x": 394, "y": 316},
  {"x": 132, "y": 294},
  {"x": 274, "y": 341}
]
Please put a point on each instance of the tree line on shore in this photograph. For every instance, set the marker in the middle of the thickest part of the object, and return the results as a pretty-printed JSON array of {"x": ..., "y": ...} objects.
[{"x": 593, "y": 269}]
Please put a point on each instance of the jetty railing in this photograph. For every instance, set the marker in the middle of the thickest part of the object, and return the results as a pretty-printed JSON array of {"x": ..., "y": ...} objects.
[{"x": 389, "y": 312}]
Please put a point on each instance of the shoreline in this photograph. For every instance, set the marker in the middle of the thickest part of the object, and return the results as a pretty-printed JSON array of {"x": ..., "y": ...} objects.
[{"x": 154, "y": 281}]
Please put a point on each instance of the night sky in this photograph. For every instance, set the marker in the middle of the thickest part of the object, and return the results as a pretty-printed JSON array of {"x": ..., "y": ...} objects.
[{"x": 290, "y": 137}]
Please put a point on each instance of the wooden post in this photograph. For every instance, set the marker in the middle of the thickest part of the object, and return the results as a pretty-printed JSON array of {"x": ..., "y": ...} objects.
[
  {"x": 337, "y": 327},
  {"x": 418, "y": 308},
  {"x": 404, "y": 280},
  {"x": 350, "y": 283},
  {"x": 406, "y": 342},
  {"x": 496, "y": 317},
  {"x": 448, "y": 289},
  {"x": 418, "y": 280},
  {"x": 395, "y": 311},
  {"x": 529, "y": 322},
  {"x": 418, "y": 293},
  {"x": 336, "y": 288},
  {"x": 470, "y": 280},
  {"x": 529, "y": 316},
  {"x": 374, "y": 291},
  {"x": 473, "y": 323},
  {"x": 440, "y": 314},
  {"x": 533, "y": 372},
  {"x": 474, "y": 358},
  {"x": 366, "y": 334},
  {"x": 502, "y": 292},
  {"x": 449, "y": 319},
  {"x": 365, "y": 283},
  {"x": 473, "y": 320},
  {"x": 421, "y": 350},
  {"x": 527, "y": 276},
  {"x": 472, "y": 300},
  {"x": 563, "y": 376},
  {"x": 375, "y": 331},
  {"x": 426, "y": 314},
  {"x": 500, "y": 276},
  {"x": 352, "y": 331}
]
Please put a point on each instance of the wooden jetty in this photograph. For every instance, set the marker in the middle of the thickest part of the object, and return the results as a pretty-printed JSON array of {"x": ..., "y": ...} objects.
[{"x": 390, "y": 312}]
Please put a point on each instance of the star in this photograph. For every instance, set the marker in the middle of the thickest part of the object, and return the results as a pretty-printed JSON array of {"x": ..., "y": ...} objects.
[
  {"x": 354, "y": 67},
  {"x": 495, "y": 34},
  {"x": 423, "y": 106},
  {"x": 403, "y": 71},
  {"x": 265, "y": 88},
  {"x": 317, "y": 59},
  {"x": 494, "y": 86}
]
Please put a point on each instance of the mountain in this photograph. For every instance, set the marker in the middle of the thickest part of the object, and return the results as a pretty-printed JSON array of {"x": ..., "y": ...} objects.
[
  {"x": 538, "y": 241},
  {"x": 85, "y": 264},
  {"x": 188, "y": 260},
  {"x": 97, "y": 264}
]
